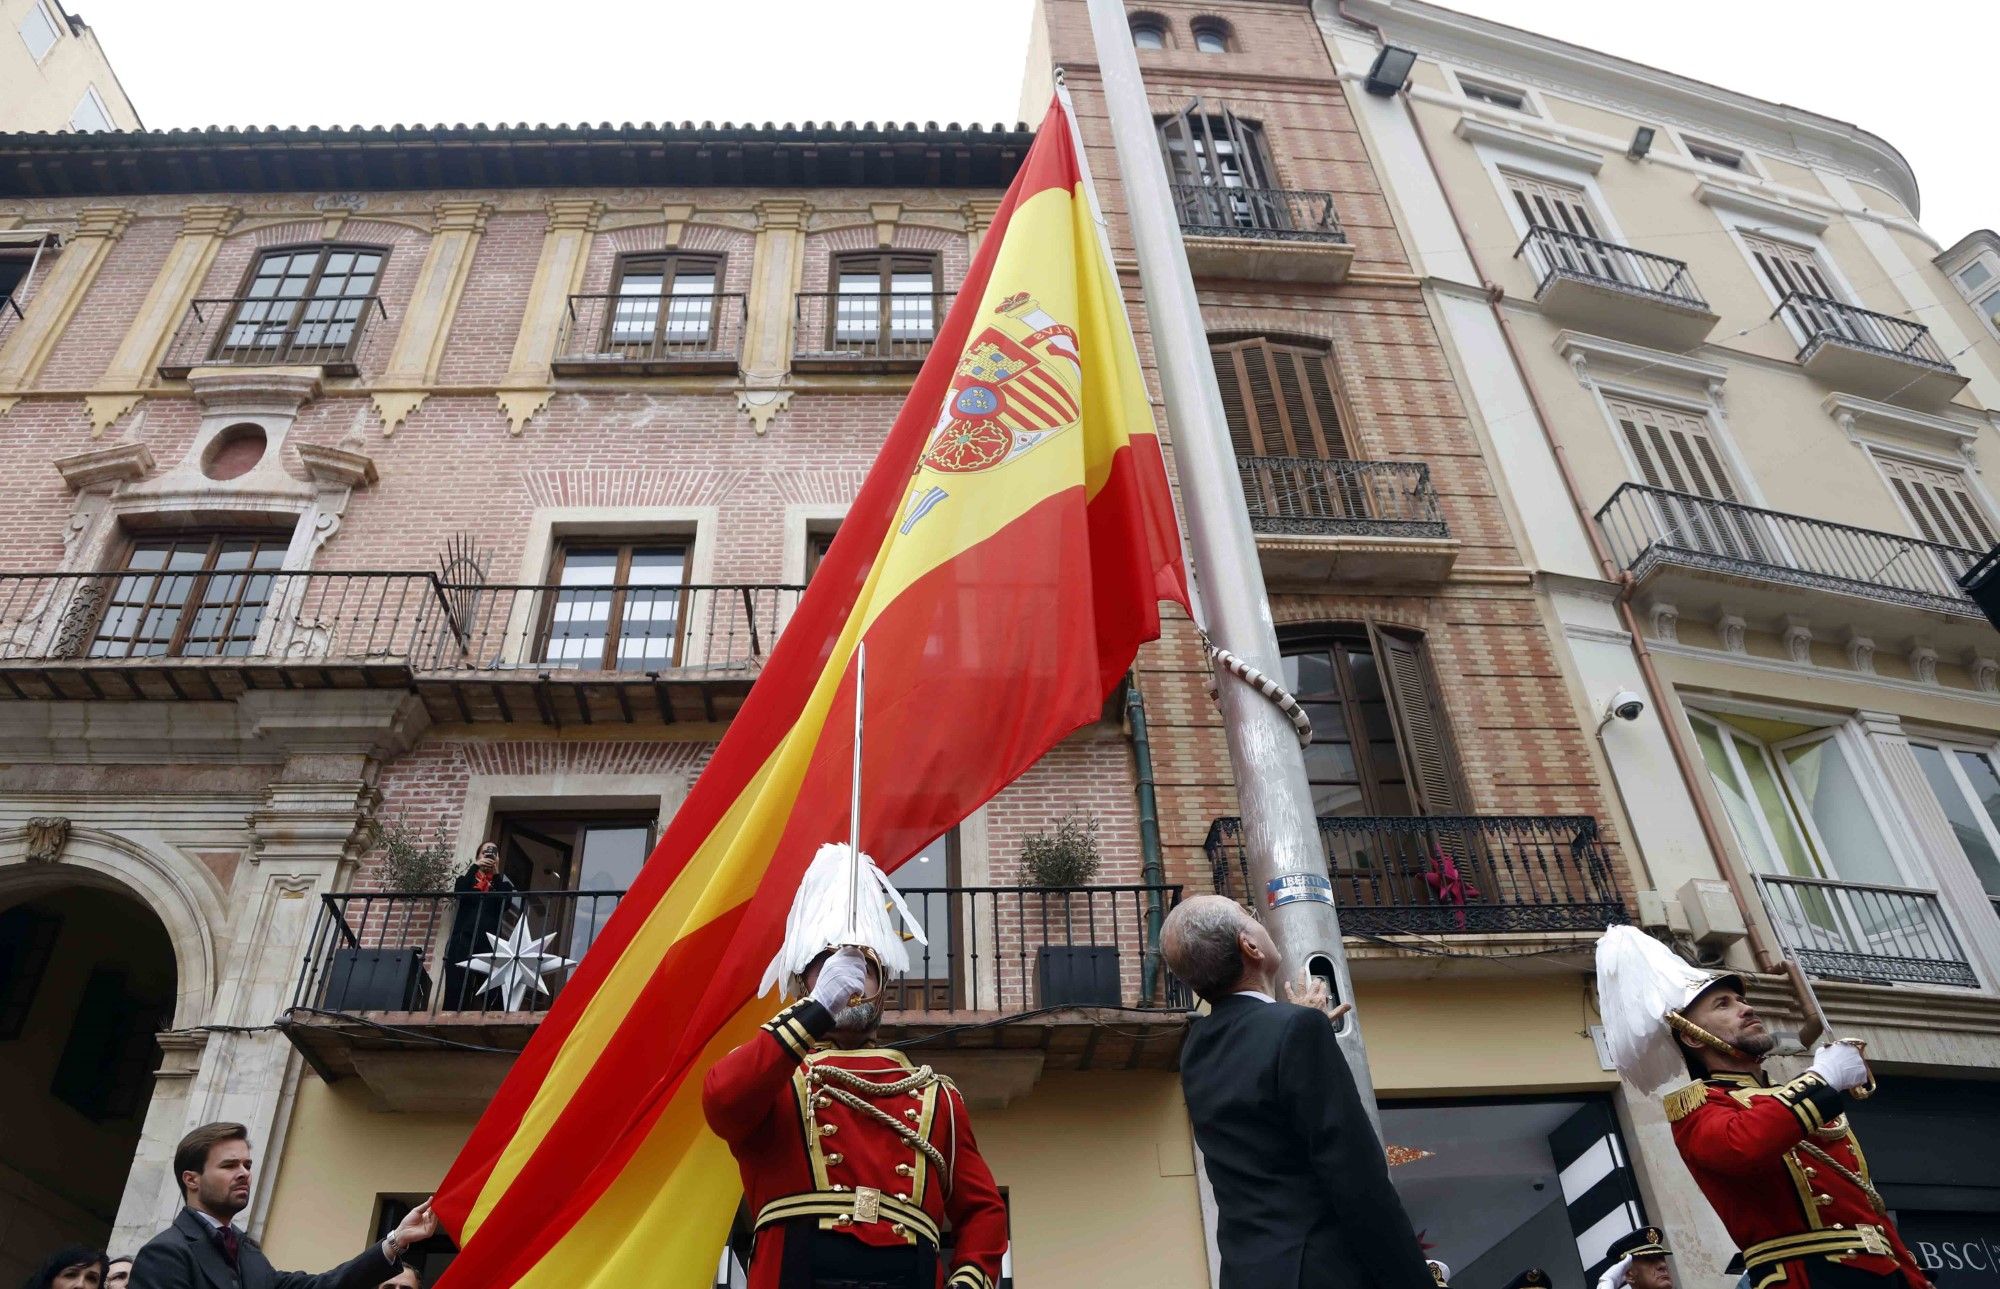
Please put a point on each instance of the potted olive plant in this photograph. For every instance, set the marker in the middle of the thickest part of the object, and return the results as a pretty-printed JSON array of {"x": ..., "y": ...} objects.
[
  {"x": 386, "y": 975},
  {"x": 1056, "y": 862}
]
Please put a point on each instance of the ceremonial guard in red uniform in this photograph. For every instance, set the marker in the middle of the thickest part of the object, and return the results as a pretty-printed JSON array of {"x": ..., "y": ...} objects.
[
  {"x": 1778, "y": 1163},
  {"x": 855, "y": 1163}
]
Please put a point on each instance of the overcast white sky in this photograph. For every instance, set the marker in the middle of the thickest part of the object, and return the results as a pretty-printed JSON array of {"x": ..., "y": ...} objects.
[{"x": 1921, "y": 79}]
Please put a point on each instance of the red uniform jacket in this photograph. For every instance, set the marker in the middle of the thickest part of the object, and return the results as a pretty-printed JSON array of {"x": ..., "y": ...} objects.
[
  {"x": 1746, "y": 1145},
  {"x": 805, "y": 1151}
]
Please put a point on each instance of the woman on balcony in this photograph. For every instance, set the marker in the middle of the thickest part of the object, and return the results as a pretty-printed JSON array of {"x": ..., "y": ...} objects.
[{"x": 480, "y": 907}]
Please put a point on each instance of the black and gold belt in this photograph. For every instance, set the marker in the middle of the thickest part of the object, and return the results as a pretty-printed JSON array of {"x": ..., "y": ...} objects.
[
  {"x": 862, "y": 1206},
  {"x": 1834, "y": 1242}
]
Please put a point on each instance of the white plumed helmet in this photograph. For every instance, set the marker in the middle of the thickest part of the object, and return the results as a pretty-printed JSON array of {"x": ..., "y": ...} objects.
[
  {"x": 819, "y": 916},
  {"x": 1642, "y": 989}
]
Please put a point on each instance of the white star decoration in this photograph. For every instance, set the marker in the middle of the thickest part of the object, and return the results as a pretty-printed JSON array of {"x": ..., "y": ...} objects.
[{"x": 517, "y": 964}]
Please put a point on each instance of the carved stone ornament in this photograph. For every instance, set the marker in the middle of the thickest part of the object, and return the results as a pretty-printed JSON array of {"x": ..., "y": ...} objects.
[
  {"x": 1923, "y": 663},
  {"x": 1861, "y": 654},
  {"x": 1985, "y": 672},
  {"x": 1666, "y": 623},
  {"x": 1798, "y": 641},
  {"x": 1730, "y": 627},
  {"x": 47, "y": 835}
]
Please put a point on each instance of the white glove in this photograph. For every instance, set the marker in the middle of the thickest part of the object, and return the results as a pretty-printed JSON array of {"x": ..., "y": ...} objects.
[
  {"x": 1840, "y": 1064},
  {"x": 1614, "y": 1277},
  {"x": 841, "y": 976}
]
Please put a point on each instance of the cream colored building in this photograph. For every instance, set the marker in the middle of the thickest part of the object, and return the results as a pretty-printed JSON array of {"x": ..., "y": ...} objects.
[
  {"x": 54, "y": 75},
  {"x": 1744, "y": 420}
]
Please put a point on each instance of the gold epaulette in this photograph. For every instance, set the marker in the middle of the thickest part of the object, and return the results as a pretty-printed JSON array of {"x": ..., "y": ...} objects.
[{"x": 1682, "y": 1102}]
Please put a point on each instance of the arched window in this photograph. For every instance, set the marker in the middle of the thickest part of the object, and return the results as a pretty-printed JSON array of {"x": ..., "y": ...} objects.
[
  {"x": 1380, "y": 743},
  {"x": 1211, "y": 36},
  {"x": 1148, "y": 31}
]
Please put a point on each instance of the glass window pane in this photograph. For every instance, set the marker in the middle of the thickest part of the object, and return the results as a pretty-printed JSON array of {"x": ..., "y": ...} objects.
[
  {"x": 1830, "y": 793},
  {"x": 1966, "y": 815},
  {"x": 1775, "y": 809},
  {"x": 1147, "y": 36},
  {"x": 924, "y": 881},
  {"x": 1210, "y": 41},
  {"x": 1736, "y": 802},
  {"x": 657, "y": 567},
  {"x": 38, "y": 31},
  {"x": 589, "y": 567},
  {"x": 612, "y": 858},
  {"x": 1975, "y": 276}
]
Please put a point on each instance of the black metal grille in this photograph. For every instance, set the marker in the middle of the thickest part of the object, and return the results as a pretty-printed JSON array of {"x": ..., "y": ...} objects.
[
  {"x": 1858, "y": 931},
  {"x": 412, "y": 619},
  {"x": 993, "y": 949},
  {"x": 333, "y": 332},
  {"x": 1269, "y": 214},
  {"x": 1647, "y": 527},
  {"x": 1315, "y": 495},
  {"x": 1449, "y": 874},
  {"x": 893, "y": 328},
  {"x": 1555, "y": 254},
  {"x": 650, "y": 334},
  {"x": 10, "y": 317},
  {"x": 1822, "y": 321}
]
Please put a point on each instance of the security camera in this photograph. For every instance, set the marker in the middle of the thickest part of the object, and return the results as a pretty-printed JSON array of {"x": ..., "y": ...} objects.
[{"x": 1625, "y": 705}]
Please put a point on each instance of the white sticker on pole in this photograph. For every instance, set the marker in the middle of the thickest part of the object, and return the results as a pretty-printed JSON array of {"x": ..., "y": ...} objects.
[{"x": 1298, "y": 888}]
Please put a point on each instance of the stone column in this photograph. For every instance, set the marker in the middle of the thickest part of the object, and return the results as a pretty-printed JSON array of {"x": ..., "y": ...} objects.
[
  {"x": 1959, "y": 890},
  {"x": 307, "y": 840},
  {"x": 151, "y": 1193},
  {"x": 979, "y": 214},
  {"x": 163, "y": 309},
  {"x": 776, "y": 273},
  {"x": 558, "y": 275},
  {"x": 413, "y": 363},
  {"x": 60, "y": 288}
]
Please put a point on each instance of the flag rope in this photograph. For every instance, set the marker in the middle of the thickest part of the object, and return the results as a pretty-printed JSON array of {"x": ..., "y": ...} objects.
[{"x": 1263, "y": 684}]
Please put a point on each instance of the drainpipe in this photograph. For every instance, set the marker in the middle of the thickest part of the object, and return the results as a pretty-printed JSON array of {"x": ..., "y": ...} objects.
[
  {"x": 1691, "y": 774},
  {"x": 1152, "y": 871}
]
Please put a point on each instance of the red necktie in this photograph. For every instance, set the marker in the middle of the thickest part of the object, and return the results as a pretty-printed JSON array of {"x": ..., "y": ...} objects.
[{"x": 225, "y": 1236}]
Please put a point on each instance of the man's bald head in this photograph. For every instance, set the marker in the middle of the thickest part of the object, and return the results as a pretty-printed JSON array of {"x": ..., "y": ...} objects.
[{"x": 1210, "y": 942}]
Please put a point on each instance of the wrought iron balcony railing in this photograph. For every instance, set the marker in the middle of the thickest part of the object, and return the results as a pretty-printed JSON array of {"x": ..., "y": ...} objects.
[
  {"x": 1647, "y": 527},
  {"x": 335, "y": 333},
  {"x": 1317, "y": 496},
  {"x": 692, "y": 631},
  {"x": 1005, "y": 949},
  {"x": 1858, "y": 931},
  {"x": 1554, "y": 253},
  {"x": 412, "y": 620},
  {"x": 220, "y": 617},
  {"x": 868, "y": 328},
  {"x": 1450, "y": 874},
  {"x": 1820, "y": 321},
  {"x": 651, "y": 334},
  {"x": 1273, "y": 214}
]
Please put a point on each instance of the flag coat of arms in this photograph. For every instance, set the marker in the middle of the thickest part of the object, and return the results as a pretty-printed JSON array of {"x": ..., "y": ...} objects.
[{"x": 1004, "y": 560}]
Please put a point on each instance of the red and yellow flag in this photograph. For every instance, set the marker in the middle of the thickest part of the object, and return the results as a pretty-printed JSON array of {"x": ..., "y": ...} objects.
[{"x": 1004, "y": 560}]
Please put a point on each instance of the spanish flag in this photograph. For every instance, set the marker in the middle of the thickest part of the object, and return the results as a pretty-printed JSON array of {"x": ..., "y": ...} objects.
[{"x": 1004, "y": 560}]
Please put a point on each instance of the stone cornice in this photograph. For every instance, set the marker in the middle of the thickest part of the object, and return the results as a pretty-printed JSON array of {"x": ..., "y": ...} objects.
[
  {"x": 1505, "y": 137},
  {"x": 1593, "y": 76},
  {"x": 119, "y": 463},
  {"x": 1761, "y": 208}
]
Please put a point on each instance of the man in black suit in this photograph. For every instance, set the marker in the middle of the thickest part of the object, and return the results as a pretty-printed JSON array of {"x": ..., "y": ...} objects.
[
  {"x": 204, "y": 1250},
  {"x": 1301, "y": 1183}
]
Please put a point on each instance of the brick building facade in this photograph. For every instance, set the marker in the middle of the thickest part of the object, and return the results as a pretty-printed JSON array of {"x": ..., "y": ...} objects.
[{"x": 346, "y": 468}]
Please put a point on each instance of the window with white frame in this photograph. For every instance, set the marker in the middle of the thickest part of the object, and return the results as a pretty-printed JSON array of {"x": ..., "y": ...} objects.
[
  {"x": 1676, "y": 451},
  {"x": 1799, "y": 800},
  {"x": 1940, "y": 502},
  {"x": 1710, "y": 153},
  {"x": 1495, "y": 94},
  {"x": 1790, "y": 268},
  {"x": 90, "y": 115},
  {"x": 39, "y": 31},
  {"x": 1979, "y": 283},
  {"x": 1967, "y": 786}
]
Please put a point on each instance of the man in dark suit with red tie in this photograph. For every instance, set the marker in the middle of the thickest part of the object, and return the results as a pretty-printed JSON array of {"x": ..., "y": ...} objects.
[{"x": 203, "y": 1249}]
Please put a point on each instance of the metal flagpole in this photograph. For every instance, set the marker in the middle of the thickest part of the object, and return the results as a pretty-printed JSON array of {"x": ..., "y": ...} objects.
[
  {"x": 1288, "y": 874},
  {"x": 854, "y": 815}
]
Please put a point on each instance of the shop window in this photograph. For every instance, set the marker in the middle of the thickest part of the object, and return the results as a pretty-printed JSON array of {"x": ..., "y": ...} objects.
[
  {"x": 1550, "y": 1181},
  {"x": 430, "y": 1257}
]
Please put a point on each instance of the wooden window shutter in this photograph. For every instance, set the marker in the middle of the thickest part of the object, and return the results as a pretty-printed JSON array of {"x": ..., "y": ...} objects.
[
  {"x": 1422, "y": 738},
  {"x": 1177, "y": 134},
  {"x": 1247, "y": 142},
  {"x": 1940, "y": 504},
  {"x": 1790, "y": 268},
  {"x": 1278, "y": 400}
]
